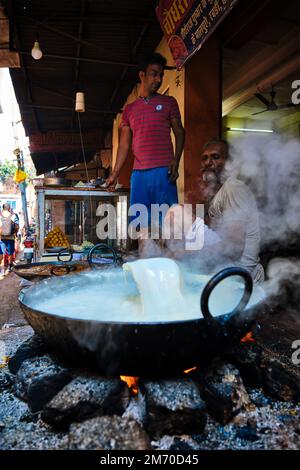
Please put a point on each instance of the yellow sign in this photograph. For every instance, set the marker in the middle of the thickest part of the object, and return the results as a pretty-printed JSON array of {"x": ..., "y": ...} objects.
[{"x": 19, "y": 176}]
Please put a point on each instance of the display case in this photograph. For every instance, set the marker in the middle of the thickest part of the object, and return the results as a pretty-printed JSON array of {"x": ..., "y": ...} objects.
[{"x": 80, "y": 214}]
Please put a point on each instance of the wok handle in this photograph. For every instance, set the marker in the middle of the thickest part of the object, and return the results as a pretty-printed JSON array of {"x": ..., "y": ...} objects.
[
  {"x": 215, "y": 280},
  {"x": 66, "y": 251},
  {"x": 61, "y": 266},
  {"x": 97, "y": 247}
]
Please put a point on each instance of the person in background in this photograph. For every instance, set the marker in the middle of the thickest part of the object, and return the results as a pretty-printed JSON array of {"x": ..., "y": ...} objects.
[
  {"x": 231, "y": 221},
  {"x": 8, "y": 229},
  {"x": 147, "y": 123}
]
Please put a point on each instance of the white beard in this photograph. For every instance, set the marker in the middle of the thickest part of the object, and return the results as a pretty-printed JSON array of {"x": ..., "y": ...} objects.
[{"x": 209, "y": 176}]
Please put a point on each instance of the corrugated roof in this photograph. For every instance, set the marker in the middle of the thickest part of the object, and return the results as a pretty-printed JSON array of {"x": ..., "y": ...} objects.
[{"x": 77, "y": 37}]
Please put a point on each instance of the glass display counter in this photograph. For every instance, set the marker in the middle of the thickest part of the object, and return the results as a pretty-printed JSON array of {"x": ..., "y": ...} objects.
[{"x": 72, "y": 216}]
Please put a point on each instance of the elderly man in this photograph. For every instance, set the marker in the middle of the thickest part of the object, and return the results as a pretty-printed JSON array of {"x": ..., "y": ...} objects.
[{"x": 231, "y": 229}]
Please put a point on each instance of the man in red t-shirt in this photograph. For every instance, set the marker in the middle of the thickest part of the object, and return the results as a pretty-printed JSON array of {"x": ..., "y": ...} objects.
[{"x": 147, "y": 123}]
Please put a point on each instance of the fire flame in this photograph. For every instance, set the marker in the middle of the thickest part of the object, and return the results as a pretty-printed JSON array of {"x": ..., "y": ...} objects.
[
  {"x": 189, "y": 370},
  {"x": 4, "y": 360},
  {"x": 248, "y": 338},
  {"x": 132, "y": 383}
]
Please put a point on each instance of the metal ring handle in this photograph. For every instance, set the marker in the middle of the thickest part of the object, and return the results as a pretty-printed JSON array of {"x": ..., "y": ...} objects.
[
  {"x": 60, "y": 266},
  {"x": 215, "y": 280},
  {"x": 66, "y": 251},
  {"x": 97, "y": 247}
]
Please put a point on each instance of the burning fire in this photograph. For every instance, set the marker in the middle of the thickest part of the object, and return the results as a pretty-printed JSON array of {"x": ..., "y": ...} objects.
[
  {"x": 132, "y": 383},
  {"x": 248, "y": 338},
  {"x": 189, "y": 370},
  {"x": 4, "y": 360}
]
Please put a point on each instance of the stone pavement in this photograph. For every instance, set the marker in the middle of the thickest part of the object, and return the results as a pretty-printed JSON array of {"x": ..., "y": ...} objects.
[{"x": 10, "y": 311}]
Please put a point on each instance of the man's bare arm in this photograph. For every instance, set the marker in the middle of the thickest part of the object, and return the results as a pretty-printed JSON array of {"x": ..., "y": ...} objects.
[
  {"x": 179, "y": 134},
  {"x": 122, "y": 153}
]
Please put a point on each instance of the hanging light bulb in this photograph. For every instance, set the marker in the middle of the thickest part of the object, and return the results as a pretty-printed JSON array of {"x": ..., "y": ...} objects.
[
  {"x": 79, "y": 105},
  {"x": 36, "y": 51}
]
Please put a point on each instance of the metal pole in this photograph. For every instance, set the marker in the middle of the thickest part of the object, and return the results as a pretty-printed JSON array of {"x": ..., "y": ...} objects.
[
  {"x": 20, "y": 164},
  {"x": 40, "y": 223},
  {"x": 22, "y": 187}
]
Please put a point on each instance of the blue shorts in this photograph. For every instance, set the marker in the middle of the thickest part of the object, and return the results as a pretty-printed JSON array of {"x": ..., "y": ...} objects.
[
  {"x": 151, "y": 186},
  {"x": 7, "y": 247}
]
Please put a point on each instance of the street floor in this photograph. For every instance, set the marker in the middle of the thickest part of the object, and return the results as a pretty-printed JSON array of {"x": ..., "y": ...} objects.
[{"x": 10, "y": 312}]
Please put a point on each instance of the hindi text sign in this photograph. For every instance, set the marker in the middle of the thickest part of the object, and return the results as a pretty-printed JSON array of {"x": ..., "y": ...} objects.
[{"x": 188, "y": 23}]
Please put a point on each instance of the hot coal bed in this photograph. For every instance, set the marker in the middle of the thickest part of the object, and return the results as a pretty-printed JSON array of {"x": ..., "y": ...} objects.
[{"x": 246, "y": 399}]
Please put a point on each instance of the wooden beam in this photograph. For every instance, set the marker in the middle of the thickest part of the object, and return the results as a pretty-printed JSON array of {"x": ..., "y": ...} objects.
[
  {"x": 245, "y": 20},
  {"x": 261, "y": 63},
  {"x": 84, "y": 59},
  {"x": 103, "y": 18},
  {"x": 65, "y": 141},
  {"x": 7, "y": 58},
  {"x": 261, "y": 83},
  {"x": 65, "y": 108},
  {"x": 60, "y": 32},
  {"x": 16, "y": 38}
]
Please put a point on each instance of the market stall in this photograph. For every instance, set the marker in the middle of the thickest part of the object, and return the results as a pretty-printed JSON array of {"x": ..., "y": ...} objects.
[{"x": 70, "y": 217}]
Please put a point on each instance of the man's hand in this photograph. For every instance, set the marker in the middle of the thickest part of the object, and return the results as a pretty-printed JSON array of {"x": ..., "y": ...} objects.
[
  {"x": 111, "y": 181},
  {"x": 173, "y": 171},
  {"x": 122, "y": 153}
]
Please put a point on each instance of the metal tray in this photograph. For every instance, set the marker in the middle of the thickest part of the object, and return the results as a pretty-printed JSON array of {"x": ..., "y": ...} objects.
[{"x": 38, "y": 271}]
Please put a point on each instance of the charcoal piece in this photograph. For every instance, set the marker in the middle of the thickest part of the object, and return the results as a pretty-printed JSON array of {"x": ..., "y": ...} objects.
[
  {"x": 108, "y": 433},
  {"x": 282, "y": 381},
  {"x": 268, "y": 361},
  {"x": 33, "y": 370},
  {"x": 248, "y": 433},
  {"x": 32, "y": 347},
  {"x": 42, "y": 390},
  {"x": 223, "y": 390},
  {"x": 174, "y": 407},
  {"x": 247, "y": 357},
  {"x": 6, "y": 380},
  {"x": 30, "y": 417},
  {"x": 85, "y": 397}
]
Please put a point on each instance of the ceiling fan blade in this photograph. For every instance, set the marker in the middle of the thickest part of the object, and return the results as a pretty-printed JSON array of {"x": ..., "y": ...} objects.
[
  {"x": 262, "y": 99},
  {"x": 273, "y": 94},
  {"x": 259, "y": 112},
  {"x": 287, "y": 106}
]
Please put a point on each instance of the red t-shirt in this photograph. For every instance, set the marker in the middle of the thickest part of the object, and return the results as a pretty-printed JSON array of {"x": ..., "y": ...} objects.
[{"x": 150, "y": 123}]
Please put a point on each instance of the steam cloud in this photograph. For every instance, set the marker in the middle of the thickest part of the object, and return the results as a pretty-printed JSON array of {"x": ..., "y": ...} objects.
[{"x": 270, "y": 166}]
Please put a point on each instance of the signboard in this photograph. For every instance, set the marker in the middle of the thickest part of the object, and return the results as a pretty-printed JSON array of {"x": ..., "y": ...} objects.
[
  {"x": 187, "y": 24},
  {"x": 59, "y": 141}
]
